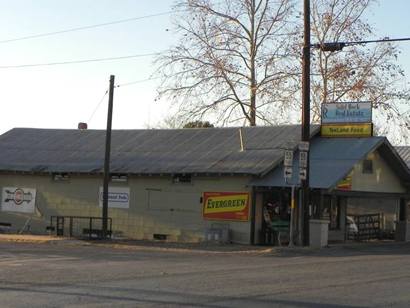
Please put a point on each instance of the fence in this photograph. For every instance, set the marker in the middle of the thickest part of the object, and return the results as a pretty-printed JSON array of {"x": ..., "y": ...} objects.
[{"x": 79, "y": 226}]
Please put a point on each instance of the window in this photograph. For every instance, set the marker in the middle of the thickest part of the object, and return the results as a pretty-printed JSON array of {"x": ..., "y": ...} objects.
[
  {"x": 367, "y": 166},
  {"x": 61, "y": 177},
  {"x": 181, "y": 178},
  {"x": 119, "y": 178}
]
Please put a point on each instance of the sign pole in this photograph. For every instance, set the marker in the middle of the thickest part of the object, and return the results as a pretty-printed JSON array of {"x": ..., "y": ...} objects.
[{"x": 292, "y": 214}]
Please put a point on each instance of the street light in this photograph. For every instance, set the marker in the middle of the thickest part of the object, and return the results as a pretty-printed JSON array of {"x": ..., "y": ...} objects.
[{"x": 337, "y": 46}]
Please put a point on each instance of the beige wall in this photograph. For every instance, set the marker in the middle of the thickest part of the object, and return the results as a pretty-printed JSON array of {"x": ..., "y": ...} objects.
[
  {"x": 156, "y": 205},
  {"x": 382, "y": 179}
]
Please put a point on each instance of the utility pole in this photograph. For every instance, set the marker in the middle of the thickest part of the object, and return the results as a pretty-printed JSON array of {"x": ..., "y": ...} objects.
[
  {"x": 107, "y": 159},
  {"x": 306, "y": 118}
]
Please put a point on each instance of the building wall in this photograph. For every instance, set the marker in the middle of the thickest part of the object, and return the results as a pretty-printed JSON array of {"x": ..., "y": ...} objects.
[
  {"x": 157, "y": 205},
  {"x": 382, "y": 179}
]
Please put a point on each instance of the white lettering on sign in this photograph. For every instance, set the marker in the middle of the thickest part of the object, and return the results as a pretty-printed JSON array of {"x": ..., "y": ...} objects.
[
  {"x": 288, "y": 162},
  {"x": 303, "y": 158},
  {"x": 302, "y": 174},
  {"x": 288, "y": 172}
]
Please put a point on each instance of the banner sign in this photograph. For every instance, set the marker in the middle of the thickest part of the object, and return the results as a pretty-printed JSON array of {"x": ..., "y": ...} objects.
[
  {"x": 17, "y": 199},
  {"x": 118, "y": 197},
  {"x": 226, "y": 206},
  {"x": 351, "y": 130},
  {"x": 347, "y": 112}
]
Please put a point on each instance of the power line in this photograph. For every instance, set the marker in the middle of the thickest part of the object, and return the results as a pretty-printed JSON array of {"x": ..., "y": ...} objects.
[
  {"x": 118, "y": 86},
  {"x": 98, "y": 106},
  {"x": 84, "y": 27},
  {"x": 80, "y": 61},
  {"x": 136, "y": 82}
]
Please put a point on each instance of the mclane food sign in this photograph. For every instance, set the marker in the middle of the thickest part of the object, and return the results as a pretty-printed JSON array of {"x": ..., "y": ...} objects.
[
  {"x": 347, "y": 119},
  {"x": 226, "y": 206}
]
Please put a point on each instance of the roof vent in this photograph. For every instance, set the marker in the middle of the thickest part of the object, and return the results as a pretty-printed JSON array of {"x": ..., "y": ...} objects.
[{"x": 82, "y": 125}]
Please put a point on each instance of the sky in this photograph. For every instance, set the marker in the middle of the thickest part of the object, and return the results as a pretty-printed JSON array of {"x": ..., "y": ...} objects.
[{"x": 60, "y": 96}]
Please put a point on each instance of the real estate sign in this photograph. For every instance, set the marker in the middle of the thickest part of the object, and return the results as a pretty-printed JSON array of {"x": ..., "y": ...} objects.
[
  {"x": 347, "y": 112},
  {"x": 18, "y": 199},
  {"x": 118, "y": 197},
  {"x": 226, "y": 206}
]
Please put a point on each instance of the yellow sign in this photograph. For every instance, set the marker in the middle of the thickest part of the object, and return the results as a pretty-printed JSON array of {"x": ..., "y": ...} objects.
[
  {"x": 347, "y": 130},
  {"x": 226, "y": 206},
  {"x": 345, "y": 184}
]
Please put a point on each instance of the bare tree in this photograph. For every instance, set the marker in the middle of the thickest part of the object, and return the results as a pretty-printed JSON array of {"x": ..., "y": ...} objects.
[
  {"x": 239, "y": 61},
  {"x": 360, "y": 72},
  {"x": 233, "y": 62}
]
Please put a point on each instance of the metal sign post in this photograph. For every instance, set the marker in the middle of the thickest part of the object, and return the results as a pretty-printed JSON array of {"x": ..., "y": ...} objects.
[
  {"x": 292, "y": 214},
  {"x": 304, "y": 183},
  {"x": 288, "y": 171}
]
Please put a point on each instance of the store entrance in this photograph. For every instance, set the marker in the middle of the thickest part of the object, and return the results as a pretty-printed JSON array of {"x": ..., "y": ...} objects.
[{"x": 275, "y": 217}]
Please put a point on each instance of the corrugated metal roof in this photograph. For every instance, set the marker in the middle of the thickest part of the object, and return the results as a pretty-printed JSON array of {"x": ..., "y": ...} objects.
[
  {"x": 331, "y": 159},
  {"x": 207, "y": 150},
  {"x": 404, "y": 152}
]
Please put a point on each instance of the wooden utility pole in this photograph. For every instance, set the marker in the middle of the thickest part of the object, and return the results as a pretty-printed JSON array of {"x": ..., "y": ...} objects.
[
  {"x": 306, "y": 117},
  {"x": 107, "y": 159}
]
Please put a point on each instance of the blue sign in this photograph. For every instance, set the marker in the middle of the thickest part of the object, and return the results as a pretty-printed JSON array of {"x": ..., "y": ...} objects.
[{"x": 347, "y": 112}]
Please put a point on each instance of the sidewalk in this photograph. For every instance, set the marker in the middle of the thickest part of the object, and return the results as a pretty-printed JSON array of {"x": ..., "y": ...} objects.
[
  {"x": 339, "y": 249},
  {"x": 27, "y": 238},
  {"x": 203, "y": 247}
]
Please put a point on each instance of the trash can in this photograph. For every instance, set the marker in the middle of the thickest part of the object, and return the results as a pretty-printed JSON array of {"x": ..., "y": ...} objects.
[{"x": 318, "y": 233}]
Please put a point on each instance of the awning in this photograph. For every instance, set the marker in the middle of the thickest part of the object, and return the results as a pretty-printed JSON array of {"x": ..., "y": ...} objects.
[{"x": 331, "y": 160}]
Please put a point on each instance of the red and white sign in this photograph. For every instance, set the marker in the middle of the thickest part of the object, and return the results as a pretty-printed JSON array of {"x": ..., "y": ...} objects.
[{"x": 18, "y": 199}]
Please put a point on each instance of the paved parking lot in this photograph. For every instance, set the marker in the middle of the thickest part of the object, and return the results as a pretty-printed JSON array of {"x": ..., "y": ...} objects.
[{"x": 72, "y": 274}]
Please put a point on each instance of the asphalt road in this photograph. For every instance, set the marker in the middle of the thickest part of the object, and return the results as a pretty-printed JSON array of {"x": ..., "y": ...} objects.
[{"x": 66, "y": 275}]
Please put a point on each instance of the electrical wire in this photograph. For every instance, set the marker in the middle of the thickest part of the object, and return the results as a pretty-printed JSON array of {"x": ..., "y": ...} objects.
[
  {"x": 135, "y": 82},
  {"x": 80, "y": 61},
  {"x": 98, "y": 106},
  {"x": 84, "y": 27},
  {"x": 117, "y": 86}
]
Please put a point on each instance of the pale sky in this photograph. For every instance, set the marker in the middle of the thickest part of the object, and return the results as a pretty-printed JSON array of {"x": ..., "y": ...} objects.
[{"x": 60, "y": 96}]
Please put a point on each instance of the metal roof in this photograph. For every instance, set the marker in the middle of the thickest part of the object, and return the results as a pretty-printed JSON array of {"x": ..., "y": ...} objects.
[
  {"x": 404, "y": 152},
  {"x": 331, "y": 159},
  {"x": 148, "y": 151}
]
